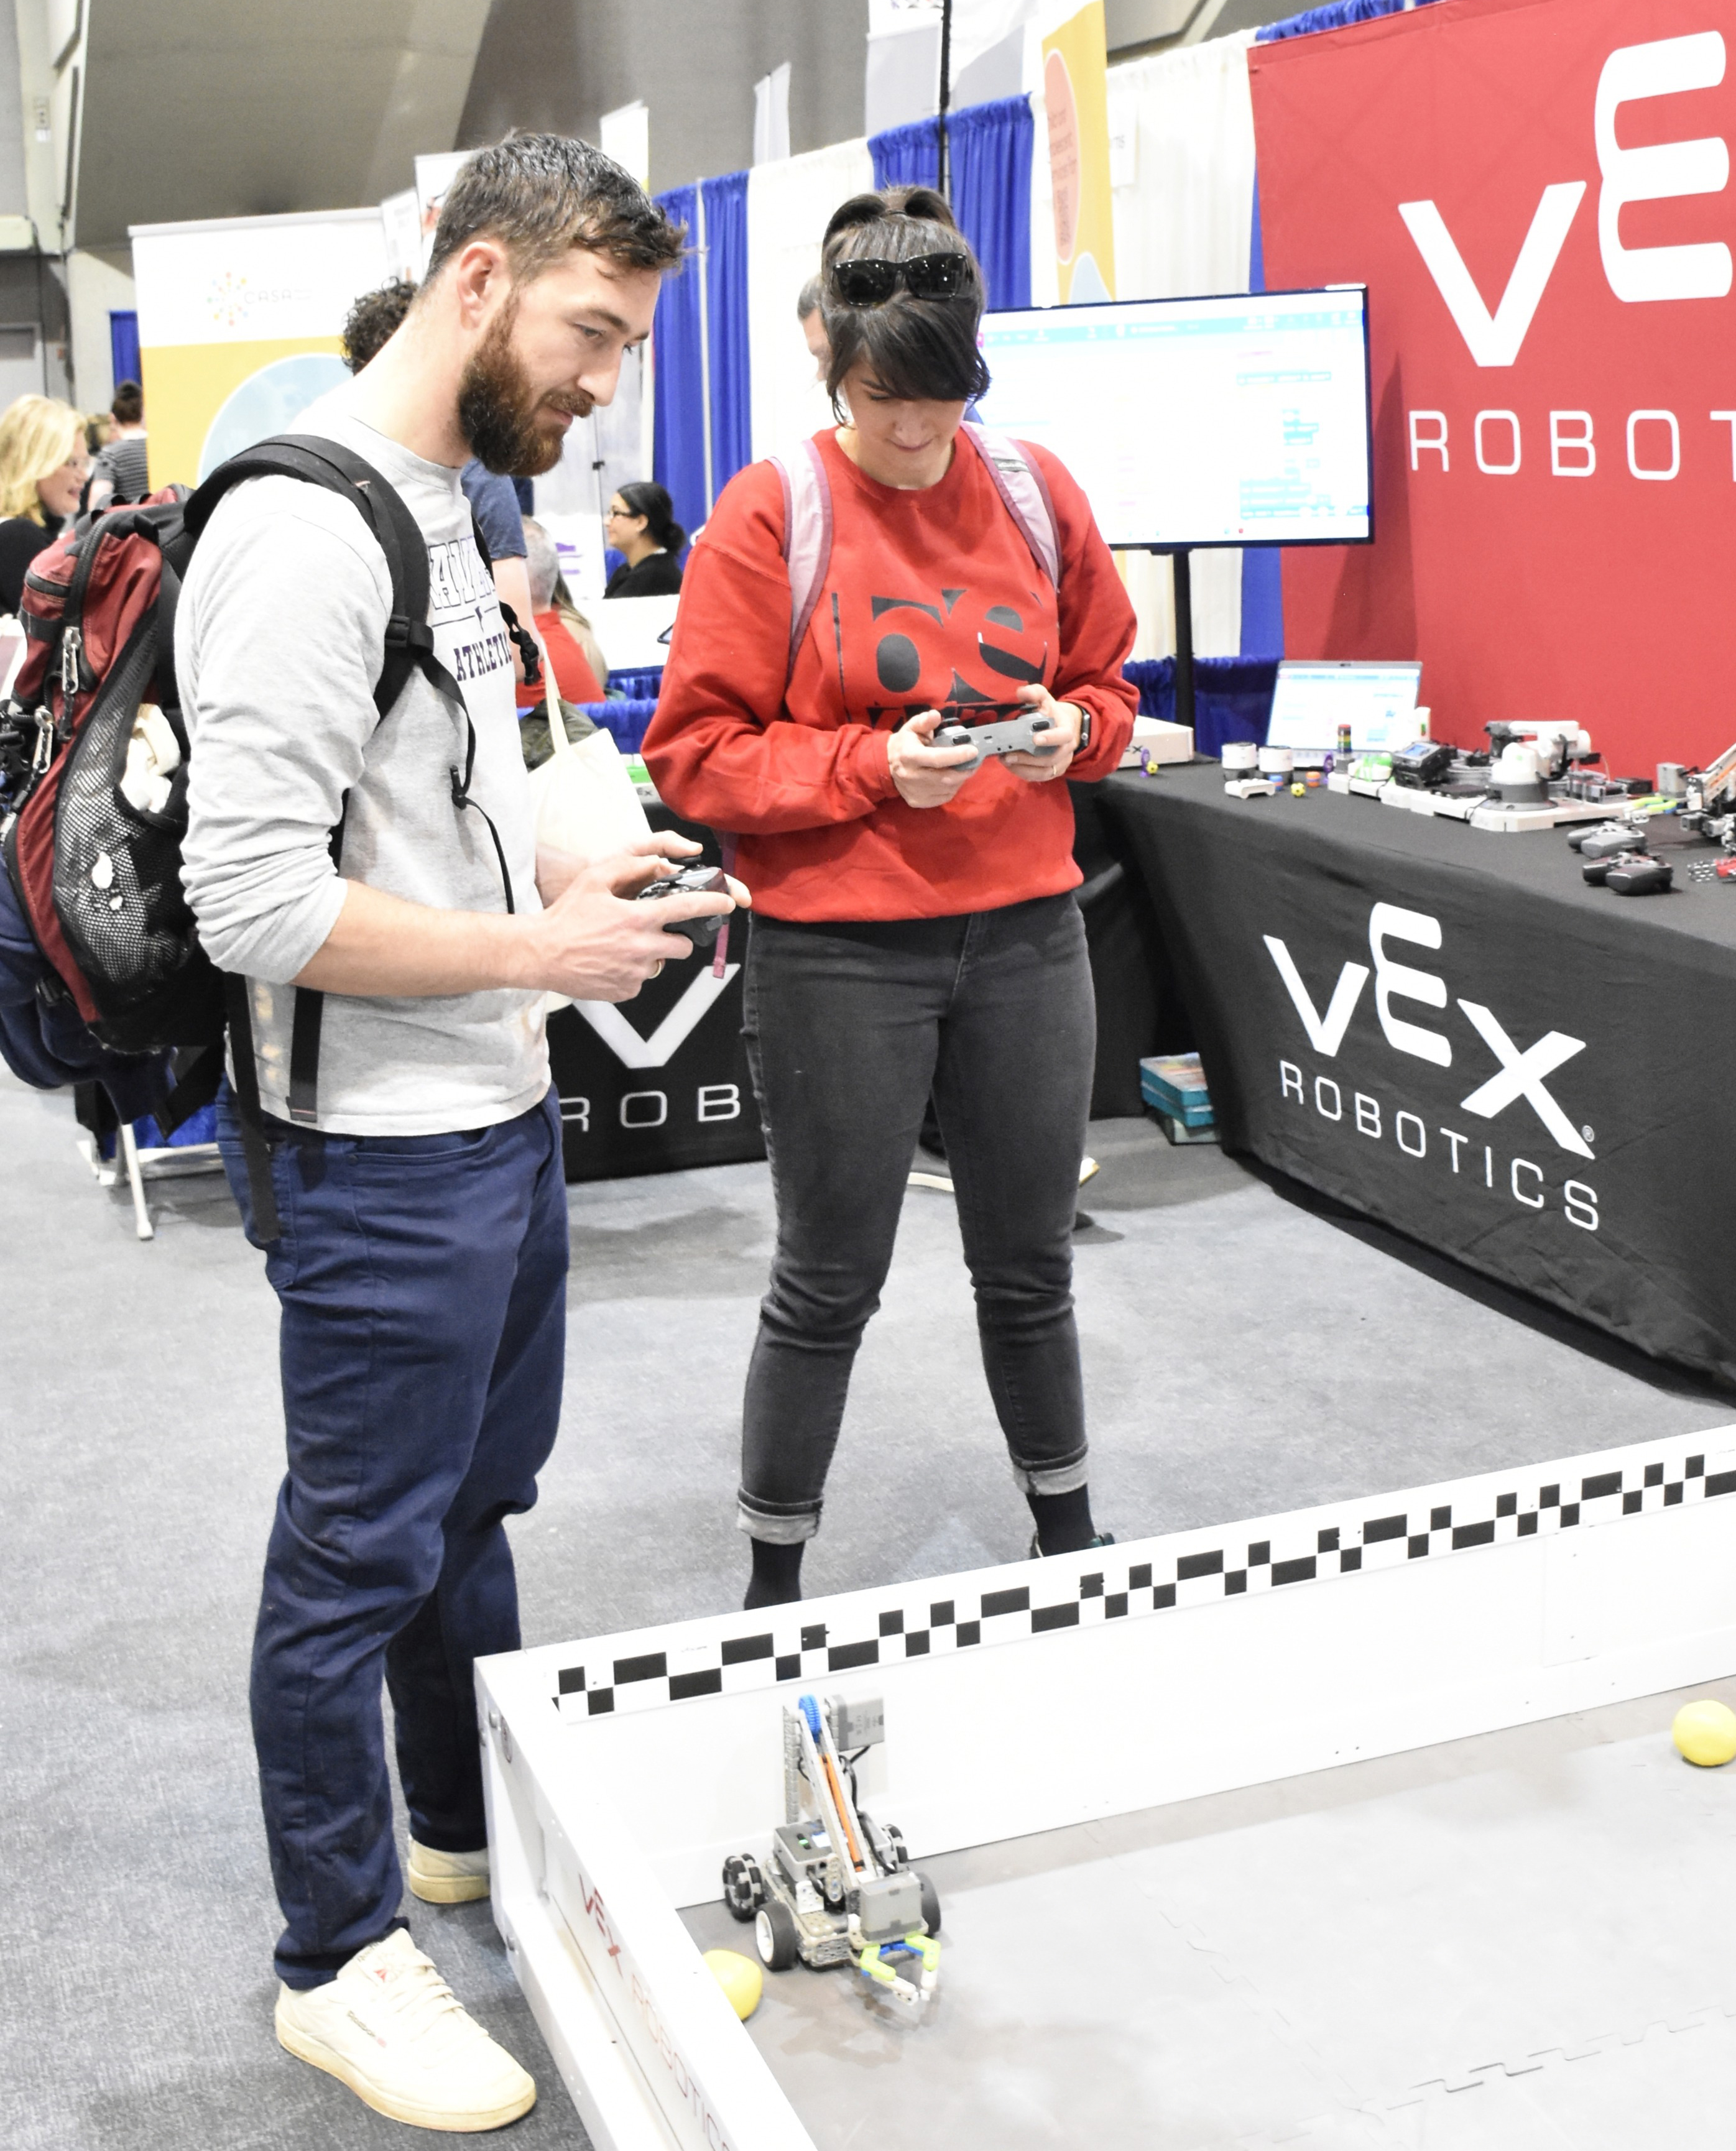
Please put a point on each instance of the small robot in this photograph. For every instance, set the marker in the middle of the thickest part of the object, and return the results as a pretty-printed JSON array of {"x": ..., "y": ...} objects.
[{"x": 838, "y": 1887}]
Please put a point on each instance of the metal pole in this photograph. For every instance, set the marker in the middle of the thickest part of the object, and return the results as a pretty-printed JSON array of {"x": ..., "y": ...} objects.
[
  {"x": 946, "y": 93},
  {"x": 1184, "y": 637}
]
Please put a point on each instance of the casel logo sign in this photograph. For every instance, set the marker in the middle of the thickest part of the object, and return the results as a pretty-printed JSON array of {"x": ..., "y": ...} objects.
[{"x": 1520, "y": 1083}]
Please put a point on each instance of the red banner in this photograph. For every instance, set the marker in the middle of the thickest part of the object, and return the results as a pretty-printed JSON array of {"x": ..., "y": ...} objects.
[{"x": 1538, "y": 198}]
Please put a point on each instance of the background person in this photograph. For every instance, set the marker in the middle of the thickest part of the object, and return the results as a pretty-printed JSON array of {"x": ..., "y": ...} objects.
[
  {"x": 122, "y": 473},
  {"x": 917, "y": 928},
  {"x": 44, "y": 465},
  {"x": 569, "y": 645},
  {"x": 640, "y": 525},
  {"x": 813, "y": 325},
  {"x": 422, "y": 1266}
]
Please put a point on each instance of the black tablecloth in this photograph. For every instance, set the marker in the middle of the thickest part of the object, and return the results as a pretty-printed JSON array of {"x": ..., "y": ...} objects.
[
  {"x": 1448, "y": 1030},
  {"x": 660, "y": 1082}
]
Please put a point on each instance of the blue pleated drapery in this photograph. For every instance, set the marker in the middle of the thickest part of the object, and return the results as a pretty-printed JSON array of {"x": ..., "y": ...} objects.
[
  {"x": 678, "y": 426},
  {"x": 989, "y": 153},
  {"x": 123, "y": 344},
  {"x": 1231, "y": 696},
  {"x": 907, "y": 156},
  {"x": 628, "y": 721},
  {"x": 725, "y": 215},
  {"x": 1334, "y": 16}
]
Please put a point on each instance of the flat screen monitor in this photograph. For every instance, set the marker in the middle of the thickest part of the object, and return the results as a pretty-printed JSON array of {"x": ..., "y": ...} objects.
[
  {"x": 1198, "y": 422},
  {"x": 1312, "y": 698}
]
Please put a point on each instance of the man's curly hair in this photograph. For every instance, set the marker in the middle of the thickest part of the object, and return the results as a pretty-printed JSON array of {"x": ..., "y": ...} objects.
[{"x": 373, "y": 321}]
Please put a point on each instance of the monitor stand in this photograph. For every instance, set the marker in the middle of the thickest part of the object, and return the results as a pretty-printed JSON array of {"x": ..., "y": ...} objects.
[{"x": 1184, "y": 631}]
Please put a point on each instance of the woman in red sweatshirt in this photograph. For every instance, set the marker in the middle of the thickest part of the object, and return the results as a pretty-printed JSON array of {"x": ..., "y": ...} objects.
[{"x": 914, "y": 925}]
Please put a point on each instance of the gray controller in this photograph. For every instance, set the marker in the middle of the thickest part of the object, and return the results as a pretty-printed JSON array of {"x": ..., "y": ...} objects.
[{"x": 1006, "y": 736}]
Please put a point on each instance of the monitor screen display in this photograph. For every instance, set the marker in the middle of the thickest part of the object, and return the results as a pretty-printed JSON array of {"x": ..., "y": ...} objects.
[
  {"x": 1312, "y": 699},
  {"x": 1198, "y": 422}
]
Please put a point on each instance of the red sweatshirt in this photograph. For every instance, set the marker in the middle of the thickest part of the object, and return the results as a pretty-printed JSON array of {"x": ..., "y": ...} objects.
[{"x": 930, "y": 597}]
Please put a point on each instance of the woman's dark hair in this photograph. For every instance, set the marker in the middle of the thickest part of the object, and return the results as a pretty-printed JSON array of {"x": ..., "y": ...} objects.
[
  {"x": 925, "y": 349},
  {"x": 654, "y": 504},
  {"x": 127, "y": 408}
]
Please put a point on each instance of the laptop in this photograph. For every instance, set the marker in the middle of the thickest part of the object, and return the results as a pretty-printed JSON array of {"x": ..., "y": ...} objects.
[{"x": 1315, "y": 696}]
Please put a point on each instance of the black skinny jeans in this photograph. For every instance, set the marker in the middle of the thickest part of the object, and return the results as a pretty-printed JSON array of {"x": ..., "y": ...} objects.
[{"x": 849, "y": 1028}]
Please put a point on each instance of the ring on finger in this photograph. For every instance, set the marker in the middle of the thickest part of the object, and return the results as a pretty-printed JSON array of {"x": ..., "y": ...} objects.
[{"x": 657, "y": 967}]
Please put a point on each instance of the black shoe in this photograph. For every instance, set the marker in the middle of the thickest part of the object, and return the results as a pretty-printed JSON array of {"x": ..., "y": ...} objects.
[{"x": 1102, "y": 1539}]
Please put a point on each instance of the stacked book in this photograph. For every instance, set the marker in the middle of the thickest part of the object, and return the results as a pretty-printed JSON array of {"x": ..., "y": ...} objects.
[{"x": 1173, "y": 1085}]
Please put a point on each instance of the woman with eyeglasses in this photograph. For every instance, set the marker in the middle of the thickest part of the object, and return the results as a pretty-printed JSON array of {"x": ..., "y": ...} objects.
[
  {"x": 45, "y": 467},
  {"x": 915, "y": 925},
  {"x": 641, "y": 526}
]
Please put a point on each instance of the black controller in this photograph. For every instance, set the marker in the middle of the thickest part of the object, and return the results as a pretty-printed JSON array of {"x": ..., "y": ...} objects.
[
  {"x": 1639, "y": 876},
  {"x": 692, "y": 881}
]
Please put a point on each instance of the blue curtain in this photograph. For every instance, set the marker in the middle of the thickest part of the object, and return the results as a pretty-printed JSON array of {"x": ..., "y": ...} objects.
[
  {"x": 641, "y": 685},
  {"x": 1262, "y": 588},
  {"x": 990, "y": 150},
  {"x": 1334, "y": 16},
  {"x": 123, "y": 344},
  {"x": 678, "y": 439},
  {"x": 628, "y": 721},
  {"x": 907, "y": 156},
  {"x": 725, "y": 204},
  {"x": 1231, "y": 696}
]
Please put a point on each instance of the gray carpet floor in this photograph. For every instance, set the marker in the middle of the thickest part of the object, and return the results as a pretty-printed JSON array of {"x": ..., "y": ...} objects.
[{"x": 1242, "y": 1355}]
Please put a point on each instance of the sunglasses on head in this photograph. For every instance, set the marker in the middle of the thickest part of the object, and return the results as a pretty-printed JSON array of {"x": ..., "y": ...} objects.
[{"x": 870, "y": 281}]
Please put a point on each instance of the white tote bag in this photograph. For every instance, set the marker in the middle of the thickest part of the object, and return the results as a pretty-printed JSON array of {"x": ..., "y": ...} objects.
[{"x": 585, "y": 803}]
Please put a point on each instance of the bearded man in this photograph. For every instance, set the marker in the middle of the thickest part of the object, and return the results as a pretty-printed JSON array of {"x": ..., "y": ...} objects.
[{"x": 422, "y": 1258}]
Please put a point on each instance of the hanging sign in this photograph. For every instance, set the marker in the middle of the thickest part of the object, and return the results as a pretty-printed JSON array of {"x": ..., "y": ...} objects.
[
  {"x": 1075, "y": 96},
  {"x": 1538, "y": 199}
]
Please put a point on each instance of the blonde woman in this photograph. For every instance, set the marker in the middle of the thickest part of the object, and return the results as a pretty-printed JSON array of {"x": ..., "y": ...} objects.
[{"x": 43, "y": 468}]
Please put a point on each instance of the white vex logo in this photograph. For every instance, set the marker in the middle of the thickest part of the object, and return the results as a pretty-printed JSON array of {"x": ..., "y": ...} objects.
[
  {"x": 1661, "y": 171},
  {"x": 670, "y": 1035},
  {"x": 1520, "y": 1074}
]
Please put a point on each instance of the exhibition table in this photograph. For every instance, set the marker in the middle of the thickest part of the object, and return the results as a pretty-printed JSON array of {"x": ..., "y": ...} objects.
[{"x": 1448, "y": 1030}]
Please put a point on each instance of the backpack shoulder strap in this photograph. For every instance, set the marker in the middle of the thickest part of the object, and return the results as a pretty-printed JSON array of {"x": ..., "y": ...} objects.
[
  {"x": 316, "y": 461},
  {"x": 1022, "y": 488},
  {"x": 807, "y": 535}
]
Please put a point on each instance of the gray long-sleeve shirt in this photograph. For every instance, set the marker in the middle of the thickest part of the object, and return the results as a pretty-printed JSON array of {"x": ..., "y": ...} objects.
[{"x": 279, "y": 641}]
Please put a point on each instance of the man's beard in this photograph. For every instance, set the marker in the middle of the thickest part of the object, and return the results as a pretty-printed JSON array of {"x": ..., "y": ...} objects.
[{"x": 503, "y": 418}]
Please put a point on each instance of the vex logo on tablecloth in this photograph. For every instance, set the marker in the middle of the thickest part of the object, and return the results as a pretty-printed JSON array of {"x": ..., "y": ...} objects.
[{"x": 1521, "y": 1073}]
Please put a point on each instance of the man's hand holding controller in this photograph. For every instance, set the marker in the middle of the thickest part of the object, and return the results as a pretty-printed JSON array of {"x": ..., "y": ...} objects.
[{"x": 598, "y": 939}]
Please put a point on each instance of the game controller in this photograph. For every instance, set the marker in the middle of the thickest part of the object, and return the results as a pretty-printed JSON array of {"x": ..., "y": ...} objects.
[
  {"x": 1606, "y": 839},
  {"x": 1002, "y": 736},
  {"x": 1639, "y": 875},
  {"x": 692, "y": 881},
  {"x": 1597, "y": 870}
]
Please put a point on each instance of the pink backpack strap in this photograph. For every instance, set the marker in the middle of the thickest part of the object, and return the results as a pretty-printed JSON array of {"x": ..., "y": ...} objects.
[
  {"x": 1022, "y": 487},
  {"x": 807, "y": 535}
]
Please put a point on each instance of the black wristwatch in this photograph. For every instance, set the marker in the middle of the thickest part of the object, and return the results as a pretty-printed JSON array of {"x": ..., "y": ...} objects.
[{"x": 1085, "y": 729}]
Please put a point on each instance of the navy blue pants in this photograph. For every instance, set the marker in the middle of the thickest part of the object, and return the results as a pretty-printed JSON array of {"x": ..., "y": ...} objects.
[{"x": 422, "y": 1281}]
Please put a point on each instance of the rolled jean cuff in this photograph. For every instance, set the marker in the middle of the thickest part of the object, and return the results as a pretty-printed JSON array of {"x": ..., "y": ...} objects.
[
  {"x": 776, "y": 1526},
  {"x": 1064, "y": 1478}
]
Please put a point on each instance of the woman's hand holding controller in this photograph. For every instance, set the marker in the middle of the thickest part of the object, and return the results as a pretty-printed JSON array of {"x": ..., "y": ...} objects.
[
  {"x": 926, "y": 775},
  {"x": 1064, "y": 726}
]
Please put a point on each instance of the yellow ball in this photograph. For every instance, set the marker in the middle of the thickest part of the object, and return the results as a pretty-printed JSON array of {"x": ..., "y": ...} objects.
[
  {"x": 742, "y": 1979},
  {"x": 1706, "y": 1732}
]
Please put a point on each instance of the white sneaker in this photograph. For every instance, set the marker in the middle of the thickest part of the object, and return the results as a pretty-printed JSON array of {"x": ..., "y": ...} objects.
[
  {"x": 391, "y": 2028},
  {"x": 448, "y": 1878}
]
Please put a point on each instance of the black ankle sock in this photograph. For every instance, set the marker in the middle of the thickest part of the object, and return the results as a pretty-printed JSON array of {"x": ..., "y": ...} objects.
[
  {"x": 777, "y": 1579},
  {"x": 1063, "y": 1521}
]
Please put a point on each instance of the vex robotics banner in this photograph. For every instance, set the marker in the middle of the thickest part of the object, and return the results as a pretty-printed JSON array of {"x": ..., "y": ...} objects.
[{"x": 1538, "y": 198}]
